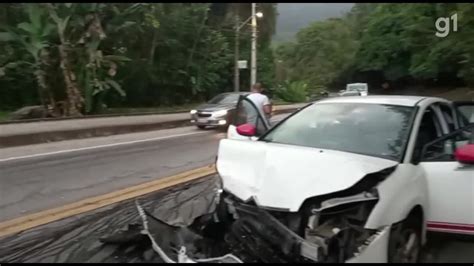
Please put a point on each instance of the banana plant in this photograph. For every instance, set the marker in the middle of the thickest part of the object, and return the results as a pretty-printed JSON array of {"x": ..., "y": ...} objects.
[
  {"x": 99, "y": 70},
  {"x": 74, "y": 98},
  {"x": 33, "y": 35},
  {"x": 81, "y": 34}
]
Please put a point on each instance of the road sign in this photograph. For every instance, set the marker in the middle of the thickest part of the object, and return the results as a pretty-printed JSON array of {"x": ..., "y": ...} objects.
[{"x": 242, "y": 64}]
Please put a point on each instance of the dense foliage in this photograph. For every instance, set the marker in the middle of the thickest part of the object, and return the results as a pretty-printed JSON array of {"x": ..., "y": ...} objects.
[
  {"x": 292, "y": 92},
  {"x": 378, "y": 42},
  {"x": 77, "y": 58}
]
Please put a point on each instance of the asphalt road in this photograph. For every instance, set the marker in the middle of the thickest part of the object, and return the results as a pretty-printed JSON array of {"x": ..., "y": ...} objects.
[
  {"x": 76, "y": 239},
  {"x": 43, "y": 176},
  {"x": 36, "y": 183}
]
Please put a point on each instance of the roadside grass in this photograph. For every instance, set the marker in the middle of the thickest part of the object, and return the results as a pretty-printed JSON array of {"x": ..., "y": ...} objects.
[
  {"x": 453, "y": 94},
  {"x": 156, "y": 110},
  {"x": 4, "y": 116}
]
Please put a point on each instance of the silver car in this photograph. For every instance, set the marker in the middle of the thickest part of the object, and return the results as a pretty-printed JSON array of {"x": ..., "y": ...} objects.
[{"x": 218, "y": 112}]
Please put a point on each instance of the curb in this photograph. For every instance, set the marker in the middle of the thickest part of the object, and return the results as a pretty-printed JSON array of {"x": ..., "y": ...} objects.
[{"x": 53, "y": 136}]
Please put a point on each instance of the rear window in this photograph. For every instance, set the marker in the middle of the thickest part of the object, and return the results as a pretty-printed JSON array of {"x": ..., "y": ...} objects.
[
  {"x": 225, "y": 98},
  {"x": 356, "y": 88}
]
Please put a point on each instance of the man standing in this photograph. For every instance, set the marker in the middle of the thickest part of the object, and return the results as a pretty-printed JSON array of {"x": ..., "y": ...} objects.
[{"x": 261, "y": 101}]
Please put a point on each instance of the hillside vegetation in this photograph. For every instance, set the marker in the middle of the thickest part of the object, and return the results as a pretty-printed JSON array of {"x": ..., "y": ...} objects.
[{"x": 381, "y": 42}]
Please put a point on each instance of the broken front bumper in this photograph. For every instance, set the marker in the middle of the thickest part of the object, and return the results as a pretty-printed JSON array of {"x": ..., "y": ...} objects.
[
  {"x": 268, "y": 240},
  {"x": 182, "y": 256}
]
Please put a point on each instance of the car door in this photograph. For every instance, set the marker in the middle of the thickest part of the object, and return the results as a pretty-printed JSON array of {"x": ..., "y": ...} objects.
[
  {"x": 450, "y": 183},
  {"x": 246, "y": 113}
]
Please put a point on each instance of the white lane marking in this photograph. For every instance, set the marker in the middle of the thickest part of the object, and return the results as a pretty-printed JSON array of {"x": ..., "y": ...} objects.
[{"x": 100, "y": 146}]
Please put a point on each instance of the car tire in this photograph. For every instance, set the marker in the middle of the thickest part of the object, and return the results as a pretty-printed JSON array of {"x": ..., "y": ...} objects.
[
  {"x": 405, "y": 242},
  {"x": 201, "y": 127}
]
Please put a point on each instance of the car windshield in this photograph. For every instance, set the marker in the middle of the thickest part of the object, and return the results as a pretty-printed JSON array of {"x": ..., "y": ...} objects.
[
  {"x": 370, "y": 129},
  {"x": 225, "y": 99}
]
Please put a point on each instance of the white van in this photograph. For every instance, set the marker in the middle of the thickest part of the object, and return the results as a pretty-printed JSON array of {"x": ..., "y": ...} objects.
[{"x": 362, "y": 88}]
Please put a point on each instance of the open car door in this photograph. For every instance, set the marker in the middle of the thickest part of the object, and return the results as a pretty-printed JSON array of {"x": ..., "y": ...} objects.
[
  {"x": 248, "y": 123},
  {"x": 448, "y": 163},
  {"x": 464, "y": 112}
]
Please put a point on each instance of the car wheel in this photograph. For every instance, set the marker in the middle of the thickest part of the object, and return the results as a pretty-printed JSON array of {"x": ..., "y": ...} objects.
[
  {"x": 405, "y": 242},
  {"x": 201, "y": 127}
]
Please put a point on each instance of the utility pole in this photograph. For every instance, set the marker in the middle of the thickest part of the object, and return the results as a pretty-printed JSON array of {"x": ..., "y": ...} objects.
[
  {"x": 253, "y": 70},
  {"x": 253, "y": 60},
  {"x": 236, "y": 53}
]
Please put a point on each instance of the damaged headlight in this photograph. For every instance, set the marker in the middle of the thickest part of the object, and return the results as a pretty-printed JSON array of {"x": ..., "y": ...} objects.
[{"x": 335, "y": 227}]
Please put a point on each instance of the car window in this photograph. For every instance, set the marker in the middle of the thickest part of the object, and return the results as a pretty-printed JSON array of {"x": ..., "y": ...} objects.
[
  {"x": 370, "y": 129},
  {"x": 225, "y": 99},
  {"x": 443, "y": 149},
  {"x": 467, "y": 114},
  {"x": 356, "y": 88},
  {"x": 246, "y": 113},
  {"x": 429, "y": 130},
  {"x": 261, "y": 128}
]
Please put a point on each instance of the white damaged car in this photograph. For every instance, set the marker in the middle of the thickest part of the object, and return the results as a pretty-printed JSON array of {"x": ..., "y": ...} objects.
[{"x": 348, "y": 179}]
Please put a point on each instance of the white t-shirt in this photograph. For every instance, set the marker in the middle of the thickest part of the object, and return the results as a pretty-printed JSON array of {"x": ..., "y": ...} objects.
[{"x": 259, "y": 100}]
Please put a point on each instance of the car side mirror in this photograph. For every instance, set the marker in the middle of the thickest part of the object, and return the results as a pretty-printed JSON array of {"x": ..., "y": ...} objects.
[
  {"x": 465, "y": 154},
  {"x": 247, "y": 130}
]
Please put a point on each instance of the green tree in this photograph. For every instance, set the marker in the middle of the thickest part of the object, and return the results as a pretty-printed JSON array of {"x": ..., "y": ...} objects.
[
  {"x": 396, "y": 40},
  {"x": 150, "y": 54},
  {"x": 32, "y": 36},
  {"x": 321, "y": 52}
]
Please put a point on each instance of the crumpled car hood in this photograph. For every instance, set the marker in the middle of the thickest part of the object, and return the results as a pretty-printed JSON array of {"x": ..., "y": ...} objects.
[{"x": 284, "y": 176}]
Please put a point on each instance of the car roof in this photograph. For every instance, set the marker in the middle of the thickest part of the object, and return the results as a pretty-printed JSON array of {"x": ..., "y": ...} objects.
[{"x": 402, "y": 100}]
